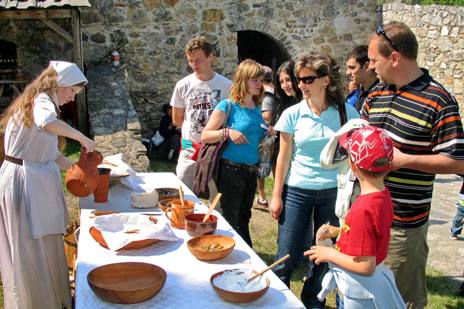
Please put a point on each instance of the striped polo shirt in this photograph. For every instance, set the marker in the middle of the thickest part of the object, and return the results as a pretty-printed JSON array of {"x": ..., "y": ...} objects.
[{"x": 422, "y": 118}]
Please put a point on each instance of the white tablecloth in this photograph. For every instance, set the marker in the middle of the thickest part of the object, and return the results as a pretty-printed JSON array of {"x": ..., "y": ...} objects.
[{"x": 188, "y": 279}]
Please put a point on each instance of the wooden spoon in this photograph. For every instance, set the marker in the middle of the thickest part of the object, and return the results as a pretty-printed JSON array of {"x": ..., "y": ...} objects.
[
  {"x": 268, "y": 268},
  {"x": 212, "y": 206},
  {"x": 181, "y": 196}
]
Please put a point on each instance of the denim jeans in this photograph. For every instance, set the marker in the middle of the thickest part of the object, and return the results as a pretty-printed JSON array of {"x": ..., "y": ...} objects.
[
  {"x": 238, "y": 189},
  {"x": 303, "y": 210},
  {"x": 458, "y": 220}
]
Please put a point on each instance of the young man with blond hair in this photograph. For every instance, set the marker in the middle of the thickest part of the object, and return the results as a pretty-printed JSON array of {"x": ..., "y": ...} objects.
[{"x": 194, "y": 99}]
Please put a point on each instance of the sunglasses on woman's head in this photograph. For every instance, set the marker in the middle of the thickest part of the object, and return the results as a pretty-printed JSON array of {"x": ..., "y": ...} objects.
[
  {"x": 308, "y": 80},
  {"x": 381, "y": 31}
]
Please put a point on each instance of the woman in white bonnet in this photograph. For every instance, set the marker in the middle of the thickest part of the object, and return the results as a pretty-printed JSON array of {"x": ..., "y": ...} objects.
[{"x": 33, "y": 213}]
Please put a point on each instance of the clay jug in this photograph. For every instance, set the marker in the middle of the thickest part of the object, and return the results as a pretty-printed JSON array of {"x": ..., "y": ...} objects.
[{"x": 82, "y": 177}]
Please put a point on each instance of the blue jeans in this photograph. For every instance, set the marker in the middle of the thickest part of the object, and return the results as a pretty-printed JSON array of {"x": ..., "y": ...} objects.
[
  {"x": 238, "y": 189},
  {"x": 458, "y": 220},
  {"x": 304, "y": 212}
]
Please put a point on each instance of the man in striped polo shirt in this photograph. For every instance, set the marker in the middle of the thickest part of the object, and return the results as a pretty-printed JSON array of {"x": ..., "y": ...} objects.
[{"x": 423, "y": 120}]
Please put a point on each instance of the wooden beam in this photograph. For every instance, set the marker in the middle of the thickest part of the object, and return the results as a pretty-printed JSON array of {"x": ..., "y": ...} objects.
[
  {"x": 35, "y": 14},
  {"x": 52, "y": 25},
  {"x": 82, "y": 117}
]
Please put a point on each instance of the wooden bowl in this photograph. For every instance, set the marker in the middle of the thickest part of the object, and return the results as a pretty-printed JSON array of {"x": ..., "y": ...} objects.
[
  {"x": 126, "y": 283},
  {"x": 198, "y": 247},
  {"x": 237, "y": 297},
  {"x": 167, "y": 193},
  {"x": 195, "y": 227},
  {"x": 97, "y": 235},
  {"x": 165, "y": 204}
]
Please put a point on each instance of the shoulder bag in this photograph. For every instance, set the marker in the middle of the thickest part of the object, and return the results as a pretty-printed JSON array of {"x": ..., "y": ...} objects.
[{"x": 206, "y": 167}]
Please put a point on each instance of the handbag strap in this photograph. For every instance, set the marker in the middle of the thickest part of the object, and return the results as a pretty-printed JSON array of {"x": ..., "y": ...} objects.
[
  {"x": 342, "y": 112},
  {"x": 229, "y": 106}
]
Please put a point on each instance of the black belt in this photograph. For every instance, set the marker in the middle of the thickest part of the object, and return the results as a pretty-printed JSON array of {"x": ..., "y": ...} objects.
[
  {"x": 13, "y": 160},
  {"x": 246, "y": 167}
]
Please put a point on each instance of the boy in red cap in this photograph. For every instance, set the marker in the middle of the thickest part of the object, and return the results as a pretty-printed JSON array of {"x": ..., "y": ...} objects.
[{"x": 357, "y": 260}]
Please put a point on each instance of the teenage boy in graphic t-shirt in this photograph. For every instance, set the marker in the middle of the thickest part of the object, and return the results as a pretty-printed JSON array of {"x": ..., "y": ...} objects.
[
  {"x": 357, "y": 260},
  {"x": 193, "y": 101}
]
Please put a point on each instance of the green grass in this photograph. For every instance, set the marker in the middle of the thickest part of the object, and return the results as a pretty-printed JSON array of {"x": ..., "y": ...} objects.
[{"x": 264, "y": 234}]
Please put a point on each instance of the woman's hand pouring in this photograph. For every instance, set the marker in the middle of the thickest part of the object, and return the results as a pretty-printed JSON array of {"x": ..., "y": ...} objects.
[{"x": 87, "y": 143}]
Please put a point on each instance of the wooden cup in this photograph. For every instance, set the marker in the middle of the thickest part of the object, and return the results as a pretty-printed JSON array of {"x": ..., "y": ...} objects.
[{"x": 179, "y": 213}]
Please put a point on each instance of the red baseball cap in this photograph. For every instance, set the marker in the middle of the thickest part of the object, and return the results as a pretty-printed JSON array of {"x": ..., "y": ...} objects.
[{"x": 366, "y": 145}]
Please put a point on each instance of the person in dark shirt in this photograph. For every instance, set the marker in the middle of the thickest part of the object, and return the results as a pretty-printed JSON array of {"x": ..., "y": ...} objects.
[
  {"x": 171, "y": 134},
  {"x": 358, "y": 71}
]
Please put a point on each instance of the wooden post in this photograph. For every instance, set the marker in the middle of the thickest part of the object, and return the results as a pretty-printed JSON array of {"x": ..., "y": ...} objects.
[{"x": 82, "y": 116}]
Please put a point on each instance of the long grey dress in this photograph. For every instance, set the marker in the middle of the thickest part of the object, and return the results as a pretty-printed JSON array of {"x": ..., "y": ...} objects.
[{"x": 33, "y": 215}]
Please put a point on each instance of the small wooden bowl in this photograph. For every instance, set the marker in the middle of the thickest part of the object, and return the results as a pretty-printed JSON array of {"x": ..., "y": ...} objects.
[
  {"x": 97, "y": 235},
  {"x": 237, "y": 297},
  {"x": 126, "y": 283},
  {"x": 165, "y": 204},
  {"x": 167, "y": 193},
  {"x": 197, "y": 246},
  {"x": 195, "y": 226}
]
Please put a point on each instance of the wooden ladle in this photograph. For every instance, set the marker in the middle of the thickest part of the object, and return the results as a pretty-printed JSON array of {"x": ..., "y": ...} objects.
[
  {"x": 268, "y": 268},
  {"x": 212, "y": 206},
  {"x": 181, "y": 196}
]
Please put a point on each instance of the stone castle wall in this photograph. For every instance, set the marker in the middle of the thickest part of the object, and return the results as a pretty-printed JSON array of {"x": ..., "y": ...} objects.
[
  {"x": 151, "y": 35},
  {"x": 440, "y": 33}
]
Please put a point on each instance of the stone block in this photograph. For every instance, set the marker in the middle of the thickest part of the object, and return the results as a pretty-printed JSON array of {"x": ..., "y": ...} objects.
[
  {"x": 152, "y": 4},
  {"x": 212, "y": 15}
]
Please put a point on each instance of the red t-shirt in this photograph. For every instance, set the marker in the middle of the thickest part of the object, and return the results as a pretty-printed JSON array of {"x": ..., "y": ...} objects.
[{"x": 366, "y": 231}]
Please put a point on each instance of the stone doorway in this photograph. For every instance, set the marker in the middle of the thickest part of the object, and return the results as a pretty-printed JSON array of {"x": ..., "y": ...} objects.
[{"x": 261, "y": 48}]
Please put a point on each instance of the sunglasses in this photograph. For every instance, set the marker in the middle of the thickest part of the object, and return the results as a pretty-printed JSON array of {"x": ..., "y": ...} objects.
[
  {"x": 308, "y": 80},
  {"x": 381, "y": 31}
]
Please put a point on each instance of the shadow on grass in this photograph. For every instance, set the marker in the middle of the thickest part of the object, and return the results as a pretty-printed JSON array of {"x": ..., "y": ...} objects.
[{"x": 443, "y": 290}]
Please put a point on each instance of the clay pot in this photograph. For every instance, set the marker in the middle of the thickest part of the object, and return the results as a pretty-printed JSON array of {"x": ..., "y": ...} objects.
[
  {"x": 101, "y": 192},
  {"x": 82, "y": 177}
]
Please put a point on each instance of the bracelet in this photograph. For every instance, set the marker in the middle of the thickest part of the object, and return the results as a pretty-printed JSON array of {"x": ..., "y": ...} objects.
[{"x": 226, "y": 134}]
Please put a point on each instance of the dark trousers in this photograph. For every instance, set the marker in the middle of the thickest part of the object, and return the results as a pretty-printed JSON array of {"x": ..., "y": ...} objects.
[{"x": 238, "y": 187}]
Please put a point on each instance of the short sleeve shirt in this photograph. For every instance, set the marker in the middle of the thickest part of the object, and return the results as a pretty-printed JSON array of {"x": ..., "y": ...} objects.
[
  {"x": 310, "y": 134},
  {"x": 248, "y": 121},
  {"x": 199, "y": 98},
  {"x": 366, "y": 231},
  {"x": 33, "y": 143}
]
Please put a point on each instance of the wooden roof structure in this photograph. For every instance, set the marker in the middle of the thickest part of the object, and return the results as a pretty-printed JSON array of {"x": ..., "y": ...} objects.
[
  {"x": 41, "y": 4},
  {"x": 47, "y": 11}
]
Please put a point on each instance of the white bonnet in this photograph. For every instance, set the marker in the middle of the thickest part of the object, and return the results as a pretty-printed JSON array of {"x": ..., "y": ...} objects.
[{"x": 69, "y": 73}]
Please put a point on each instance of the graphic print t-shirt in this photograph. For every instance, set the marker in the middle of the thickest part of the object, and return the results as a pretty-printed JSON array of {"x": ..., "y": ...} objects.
[{"x": 199, "y": 98}]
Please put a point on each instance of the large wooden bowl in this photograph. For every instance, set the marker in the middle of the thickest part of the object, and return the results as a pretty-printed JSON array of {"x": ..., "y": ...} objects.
[
  {"x": 97, "y": 235},
  {"x": 126, "y": 283},
  {"x": 237, "y": 297},
  {"x": 197, "y": 246}
]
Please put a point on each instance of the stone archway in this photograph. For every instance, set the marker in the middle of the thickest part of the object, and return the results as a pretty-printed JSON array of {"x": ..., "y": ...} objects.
[
  {"x": 262, "y": 48},
  {"x": 277, "y": 44}
]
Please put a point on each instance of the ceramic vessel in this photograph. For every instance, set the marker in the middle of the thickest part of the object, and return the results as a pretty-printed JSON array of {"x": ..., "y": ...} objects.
[
  {"x": 195, "y": 226},
  {"x": 82, "y": 177}
]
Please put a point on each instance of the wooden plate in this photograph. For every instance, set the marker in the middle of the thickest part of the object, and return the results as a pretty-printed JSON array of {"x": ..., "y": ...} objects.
[
  {"x": 126, "y": 283},
  {"x": 97, "y": 235}
]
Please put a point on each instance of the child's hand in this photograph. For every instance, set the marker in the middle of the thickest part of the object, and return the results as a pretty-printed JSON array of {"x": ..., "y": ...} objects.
[
  {"x": 327, "y": 231},
  {"x": 320, "y": 254}
]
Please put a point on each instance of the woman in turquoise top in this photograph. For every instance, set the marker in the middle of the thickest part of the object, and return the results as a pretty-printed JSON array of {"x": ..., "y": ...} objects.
[
  {"x": 244, "y": 131},
  {"x": 304, "y": 193}
]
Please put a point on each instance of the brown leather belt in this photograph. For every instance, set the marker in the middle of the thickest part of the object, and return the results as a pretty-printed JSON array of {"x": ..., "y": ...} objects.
[{"x": 13, "y": 160}]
